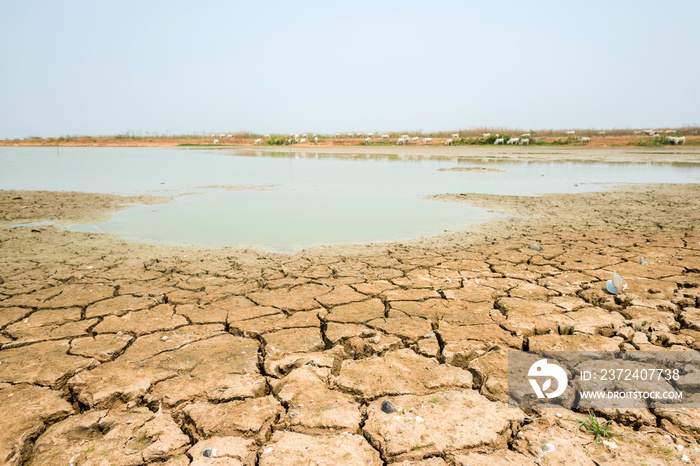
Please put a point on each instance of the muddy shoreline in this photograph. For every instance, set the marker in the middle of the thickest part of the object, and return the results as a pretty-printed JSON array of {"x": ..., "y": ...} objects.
[{"x": 133, "y": 352}]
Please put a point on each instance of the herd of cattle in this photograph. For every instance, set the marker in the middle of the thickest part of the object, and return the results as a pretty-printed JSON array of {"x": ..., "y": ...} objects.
[{"x": 522, "y": 140}]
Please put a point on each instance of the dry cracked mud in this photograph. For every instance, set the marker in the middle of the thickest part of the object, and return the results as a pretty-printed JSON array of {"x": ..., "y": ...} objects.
[{"x": 122, "y": 353}]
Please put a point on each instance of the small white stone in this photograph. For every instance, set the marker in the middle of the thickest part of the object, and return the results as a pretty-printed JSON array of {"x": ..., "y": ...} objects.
[
  {"x": 164, "y": 338},
  {"x": 547, "y": 447},
  {"x": 667, "y": 436},
  {"x": 558, "y": 415},
  {"x": 419, "y": 419},
  {"x": 611, "y": 445},
  {"x": 267, "y": 450},
  {"x": 685, "y": 459},
  {"x": 89, "y": 266},
  {"x": 679, "y": 447}
]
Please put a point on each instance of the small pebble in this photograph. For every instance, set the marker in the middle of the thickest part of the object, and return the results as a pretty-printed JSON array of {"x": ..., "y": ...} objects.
[
  {"x": 164, "y": 338},
  {"x": 679, "y": 447},
  {"x": 209, "y": 452},
  {"x": 611, "y": 445},
  {"x": 547, "y": 447},
  {"x": 685, "y": 459},
  {"x": 419, "y": 419},
  {"x": 643, "y": 261},
  {"x": 387, "y": 407},
  {"x": 558, "y": 415},
  {"x": 536, "y": 247}
]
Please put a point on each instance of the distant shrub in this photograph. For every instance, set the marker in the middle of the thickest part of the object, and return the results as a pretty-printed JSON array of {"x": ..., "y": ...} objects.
[{"x": 276, "y": 141}]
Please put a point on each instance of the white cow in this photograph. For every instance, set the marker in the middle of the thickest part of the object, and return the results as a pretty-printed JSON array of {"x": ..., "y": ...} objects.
[
  {"x": 498, "y": 141},
  {"x": 584, "y": 140},
  {"x": 401, "y": 141},
  {"x": 513, "y": 140},
  {"x": 257, "y": 142},
  {"x": 427, "y": 140},
  {"x": 316, "y": 139},
  {"x": 602, "y": 133},
  {"x": 370, "y": 135},
  {"x": 649, "y": 132},
  {"x": 524, "y": 142},
  {"x": 415, "y": 139},
  {"x": 303, "y": 140},
  {"x": 636, "y": 132},
  {"x": 676, "y": 141},
  {"x": 486, "y": 135},
  {"x": 448, "y": 142},
  {"x": 455, "y": 135},
  {"x": 670, "y": 131},
  {"x": 526, "y": 135},
  {"x": 222, "y": 136},
  {"x": 216, "y": 141},
  {"x": 267, "y": 136},
  {"x": 405, "y": 136},
  {"x": 367, "y": 141},
  {"x": 570, "y": 133},
  {"x": 385, "y": 136},
  {"x": 336, "y": 135}
]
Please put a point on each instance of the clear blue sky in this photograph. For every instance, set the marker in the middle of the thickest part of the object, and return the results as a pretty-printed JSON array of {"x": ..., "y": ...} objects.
[{"x": 107, "y": 67}]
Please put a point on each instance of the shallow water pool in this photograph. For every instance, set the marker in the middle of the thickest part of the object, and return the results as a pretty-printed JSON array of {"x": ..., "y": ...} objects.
[{"x": 285, "y": 202}]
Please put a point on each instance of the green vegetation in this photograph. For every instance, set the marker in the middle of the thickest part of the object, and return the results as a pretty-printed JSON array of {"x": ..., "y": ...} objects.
[
  {"x": 276, "y": 141},
  {"x": 594, "y": 427}
]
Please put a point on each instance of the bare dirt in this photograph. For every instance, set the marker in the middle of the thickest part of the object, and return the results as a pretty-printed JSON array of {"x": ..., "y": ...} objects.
[
  {"x": 122, "y": 353},
  {"x": 64, "y": 206}
]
